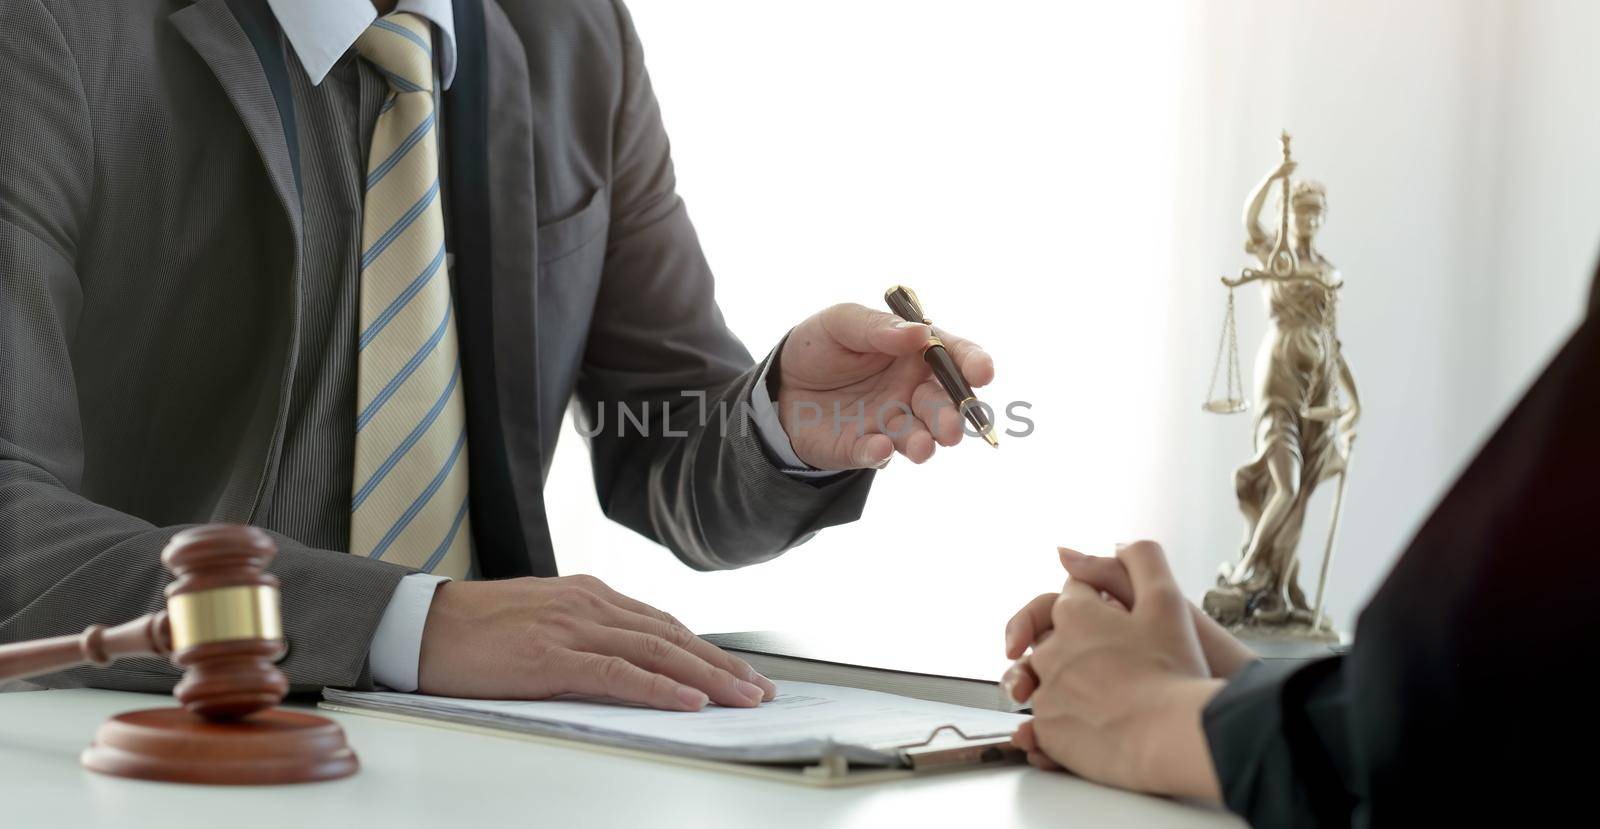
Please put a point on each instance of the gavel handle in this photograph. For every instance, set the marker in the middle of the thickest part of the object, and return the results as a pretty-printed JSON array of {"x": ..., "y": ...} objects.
[{"x": 97, "y": 645}]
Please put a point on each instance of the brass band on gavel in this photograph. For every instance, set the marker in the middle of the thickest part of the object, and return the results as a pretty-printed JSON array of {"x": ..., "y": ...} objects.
[{"x": 224, "y": 614}]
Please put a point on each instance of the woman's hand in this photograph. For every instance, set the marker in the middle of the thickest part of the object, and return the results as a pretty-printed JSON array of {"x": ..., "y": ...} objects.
[
  {"x": 1224, "y": 654},
  {"x": 1122, "y": 686}
]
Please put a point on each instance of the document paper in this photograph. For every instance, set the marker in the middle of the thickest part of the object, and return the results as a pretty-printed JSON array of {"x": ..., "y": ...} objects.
[{"x": 803, "y": 724}]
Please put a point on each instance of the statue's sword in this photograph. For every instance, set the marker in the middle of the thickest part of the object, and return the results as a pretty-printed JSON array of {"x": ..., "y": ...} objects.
[{"x": 1333, "y": 531}]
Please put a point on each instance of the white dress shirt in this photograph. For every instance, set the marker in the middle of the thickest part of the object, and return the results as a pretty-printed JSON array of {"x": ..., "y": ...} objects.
[{"x": 321, "y": 32}]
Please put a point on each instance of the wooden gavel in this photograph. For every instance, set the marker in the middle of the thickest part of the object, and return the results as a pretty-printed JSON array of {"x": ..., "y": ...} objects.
[{"x": 221, "y": 626}]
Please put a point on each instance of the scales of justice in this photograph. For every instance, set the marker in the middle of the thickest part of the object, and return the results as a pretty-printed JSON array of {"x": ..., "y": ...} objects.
[{"x": 1304, "y": 431}]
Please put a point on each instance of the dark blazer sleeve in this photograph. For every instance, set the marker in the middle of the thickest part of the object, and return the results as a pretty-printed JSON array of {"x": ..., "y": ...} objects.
[
  {"x": 1277, "y": 738},
  {"x": 697, "y": 477},
  {"x": 65, "y": 561},
  {"x": 1460, "y": 699}
]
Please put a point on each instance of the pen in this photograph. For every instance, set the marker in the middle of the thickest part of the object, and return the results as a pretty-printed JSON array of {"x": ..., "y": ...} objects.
[{"x": 903, "y": 301}]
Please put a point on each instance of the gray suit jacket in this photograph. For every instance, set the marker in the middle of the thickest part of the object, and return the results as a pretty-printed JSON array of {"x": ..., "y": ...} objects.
[{"x": 150, "y": 235}]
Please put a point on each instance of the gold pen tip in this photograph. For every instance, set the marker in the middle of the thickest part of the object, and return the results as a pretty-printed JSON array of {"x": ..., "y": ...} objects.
[{"x": 993, "y": 441}]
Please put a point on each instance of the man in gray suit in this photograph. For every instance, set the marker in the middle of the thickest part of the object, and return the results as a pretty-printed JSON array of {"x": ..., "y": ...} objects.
[{"x": 337, "y": 271}]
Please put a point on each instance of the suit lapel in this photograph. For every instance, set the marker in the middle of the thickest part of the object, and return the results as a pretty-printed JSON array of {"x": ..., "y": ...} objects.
[
  {"x": 496, "y": 290},
  {"x": 238, "y": 40}
]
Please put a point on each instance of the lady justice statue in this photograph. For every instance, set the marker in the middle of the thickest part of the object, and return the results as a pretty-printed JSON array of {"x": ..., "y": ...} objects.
[{"x": 1303, "y": 433}]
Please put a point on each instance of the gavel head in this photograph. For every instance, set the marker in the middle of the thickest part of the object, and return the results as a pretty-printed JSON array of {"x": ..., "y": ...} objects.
[{"x": 223, "y": 616}]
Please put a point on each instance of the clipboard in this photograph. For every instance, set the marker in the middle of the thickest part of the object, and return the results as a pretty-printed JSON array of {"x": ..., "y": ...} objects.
[{"x": 946, "y": 750}]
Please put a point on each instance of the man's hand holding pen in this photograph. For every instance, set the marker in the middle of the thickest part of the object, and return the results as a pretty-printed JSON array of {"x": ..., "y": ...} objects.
[{"x": 853, "y": 388}]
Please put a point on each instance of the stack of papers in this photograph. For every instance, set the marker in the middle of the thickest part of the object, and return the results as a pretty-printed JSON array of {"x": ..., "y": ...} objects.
[{"x": 805, "y": 723}]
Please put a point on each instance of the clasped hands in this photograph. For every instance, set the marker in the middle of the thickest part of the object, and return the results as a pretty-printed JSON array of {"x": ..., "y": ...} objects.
[
  {"x": 1121, "y": 669},
  {"x": 533, "y": 638}
]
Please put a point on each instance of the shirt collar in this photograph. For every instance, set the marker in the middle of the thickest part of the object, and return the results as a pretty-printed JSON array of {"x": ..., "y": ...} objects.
[{"x": 321, "y": 31}]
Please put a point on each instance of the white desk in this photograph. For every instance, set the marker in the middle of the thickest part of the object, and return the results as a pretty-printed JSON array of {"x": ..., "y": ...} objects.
[{"x": 416, "y": 775}]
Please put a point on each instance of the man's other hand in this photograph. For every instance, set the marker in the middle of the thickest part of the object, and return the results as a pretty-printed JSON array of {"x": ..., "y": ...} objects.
[
  {"x": 866, "y": 364},
  {"x": 535, "y": 638}
]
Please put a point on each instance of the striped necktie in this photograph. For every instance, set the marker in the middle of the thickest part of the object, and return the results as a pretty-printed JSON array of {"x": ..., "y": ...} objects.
[{"x": 409, "y": 498}]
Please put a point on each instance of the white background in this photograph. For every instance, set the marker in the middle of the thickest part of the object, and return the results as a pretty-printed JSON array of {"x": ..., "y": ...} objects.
[{"x": 1062, "y": 182}]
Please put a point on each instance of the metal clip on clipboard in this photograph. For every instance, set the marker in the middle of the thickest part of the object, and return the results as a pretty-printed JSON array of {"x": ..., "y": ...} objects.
[{"x": 924, "y": 756}]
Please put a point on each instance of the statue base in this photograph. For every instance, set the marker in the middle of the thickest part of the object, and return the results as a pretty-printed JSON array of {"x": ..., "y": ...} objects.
[{"x": 1295, "y": 640}]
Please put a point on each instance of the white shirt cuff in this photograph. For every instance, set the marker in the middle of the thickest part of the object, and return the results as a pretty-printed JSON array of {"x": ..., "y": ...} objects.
[
  {"x": 397, "y": 646},
  {"x": 770, "y": 428}
]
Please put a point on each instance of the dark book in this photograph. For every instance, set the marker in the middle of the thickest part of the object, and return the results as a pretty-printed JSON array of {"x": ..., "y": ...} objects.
[{"x": 936, "y": 668}]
